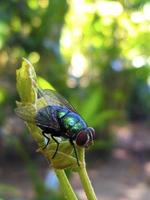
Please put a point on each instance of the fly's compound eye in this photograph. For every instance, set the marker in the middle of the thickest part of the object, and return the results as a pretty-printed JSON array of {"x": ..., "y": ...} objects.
[
  {"x": 85, "y": 137},
  {"x": 91, "y": 133},
  {"x": 82, "y": 138}
]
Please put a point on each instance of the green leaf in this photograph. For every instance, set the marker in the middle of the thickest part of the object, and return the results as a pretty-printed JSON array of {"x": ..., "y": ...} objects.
[{"x": 95, "y": 100}]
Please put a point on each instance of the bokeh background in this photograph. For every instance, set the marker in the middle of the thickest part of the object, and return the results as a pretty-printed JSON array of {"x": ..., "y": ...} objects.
[{"x": 96, "y": 54}]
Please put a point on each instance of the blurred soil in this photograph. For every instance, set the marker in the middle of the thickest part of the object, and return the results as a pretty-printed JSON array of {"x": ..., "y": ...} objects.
[{"x": 124, "y": 176}]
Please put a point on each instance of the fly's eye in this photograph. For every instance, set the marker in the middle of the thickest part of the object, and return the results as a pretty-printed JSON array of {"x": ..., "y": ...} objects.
[
  {"x": 91, "y": 133},
  {"x": 81, "y": 138}
]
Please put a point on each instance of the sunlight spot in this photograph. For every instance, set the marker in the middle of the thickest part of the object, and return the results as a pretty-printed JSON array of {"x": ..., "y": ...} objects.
[
  {"x": 33, "y": 4},
  {"x": 138, "y": 61},
  {"x": 137, "y": 17},
  {"x": 34, "y": 57},
  {"x": 16, "y": 23},
  {"x": 43, "y": 3},
  {"x": 89, "y": 8},
  {"x": 66, "y": 39},
  {"x": 146, "y": 10},
  {"x": 78, "y": 65},
  {"x": 25, "y": 29},
  {"x": 71, "y": 82},
  {"x": 109, "y": 8},
  {"x": 36, "y": 22},
  {"x": 76, "y": 32},
  {"x": 78, "y": 6}
]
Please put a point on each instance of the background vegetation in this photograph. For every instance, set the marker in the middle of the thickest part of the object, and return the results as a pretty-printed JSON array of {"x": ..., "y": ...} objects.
[{"x": 95, "y": 53}]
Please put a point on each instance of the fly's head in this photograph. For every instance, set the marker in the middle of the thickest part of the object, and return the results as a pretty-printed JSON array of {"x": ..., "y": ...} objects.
[{"x": 85, "y": 137}]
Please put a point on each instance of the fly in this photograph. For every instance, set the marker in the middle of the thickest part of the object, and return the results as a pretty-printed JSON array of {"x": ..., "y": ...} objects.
[{"x": 59, "y": 119}]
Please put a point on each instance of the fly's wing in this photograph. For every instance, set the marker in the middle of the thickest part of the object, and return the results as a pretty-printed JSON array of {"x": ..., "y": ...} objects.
[
  {"x": 26, "y": 113},
  {"x": 54, "y": 98},
  {"x": 47, "y": 118},
  {"x": 44, "y": 117}
]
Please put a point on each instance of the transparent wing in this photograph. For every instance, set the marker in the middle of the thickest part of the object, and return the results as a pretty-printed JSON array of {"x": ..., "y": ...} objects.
[
  {"x": 47, "y": 117},
  {"x": 26, "y": 113},
  {"x": 44, "y": 114},
  {"x": 44, "y": 117},
  {"x": 54, "y": 98}
]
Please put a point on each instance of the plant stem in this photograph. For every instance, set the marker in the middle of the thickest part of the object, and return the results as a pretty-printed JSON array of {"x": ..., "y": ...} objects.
[
  {"x": 65, "y": 185},
  {"x": 86, "y": 183}
]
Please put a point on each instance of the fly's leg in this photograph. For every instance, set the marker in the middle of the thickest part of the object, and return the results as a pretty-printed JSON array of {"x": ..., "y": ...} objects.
[
  {"x": 56, "y": 147},
  {"x": 48, "y": 139},
  {"x": 75, "y": 151}
]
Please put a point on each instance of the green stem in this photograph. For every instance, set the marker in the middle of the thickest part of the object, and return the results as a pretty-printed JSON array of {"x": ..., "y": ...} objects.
[
  {"x": 65, "y": 185},
  {"x": 86, "y": 183}
]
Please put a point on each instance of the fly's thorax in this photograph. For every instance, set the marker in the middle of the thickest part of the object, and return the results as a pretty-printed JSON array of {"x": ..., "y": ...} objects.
[
  {"x": 62, "y": 112},
  {"x": 78, "y": 126},
  {"x": 71, "y": 122}
]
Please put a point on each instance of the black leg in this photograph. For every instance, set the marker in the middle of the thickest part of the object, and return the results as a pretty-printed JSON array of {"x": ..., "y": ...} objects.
[
  {"x": 48, "y": 139},
  {"x": 56, "y": 147},
  {"x": 75, "y": 151}
]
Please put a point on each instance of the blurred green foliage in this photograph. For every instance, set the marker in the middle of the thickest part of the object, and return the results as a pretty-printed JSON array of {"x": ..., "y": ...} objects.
[
  {"x": 97, "y": 56},
  {"x": 95, "y": 53}
]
